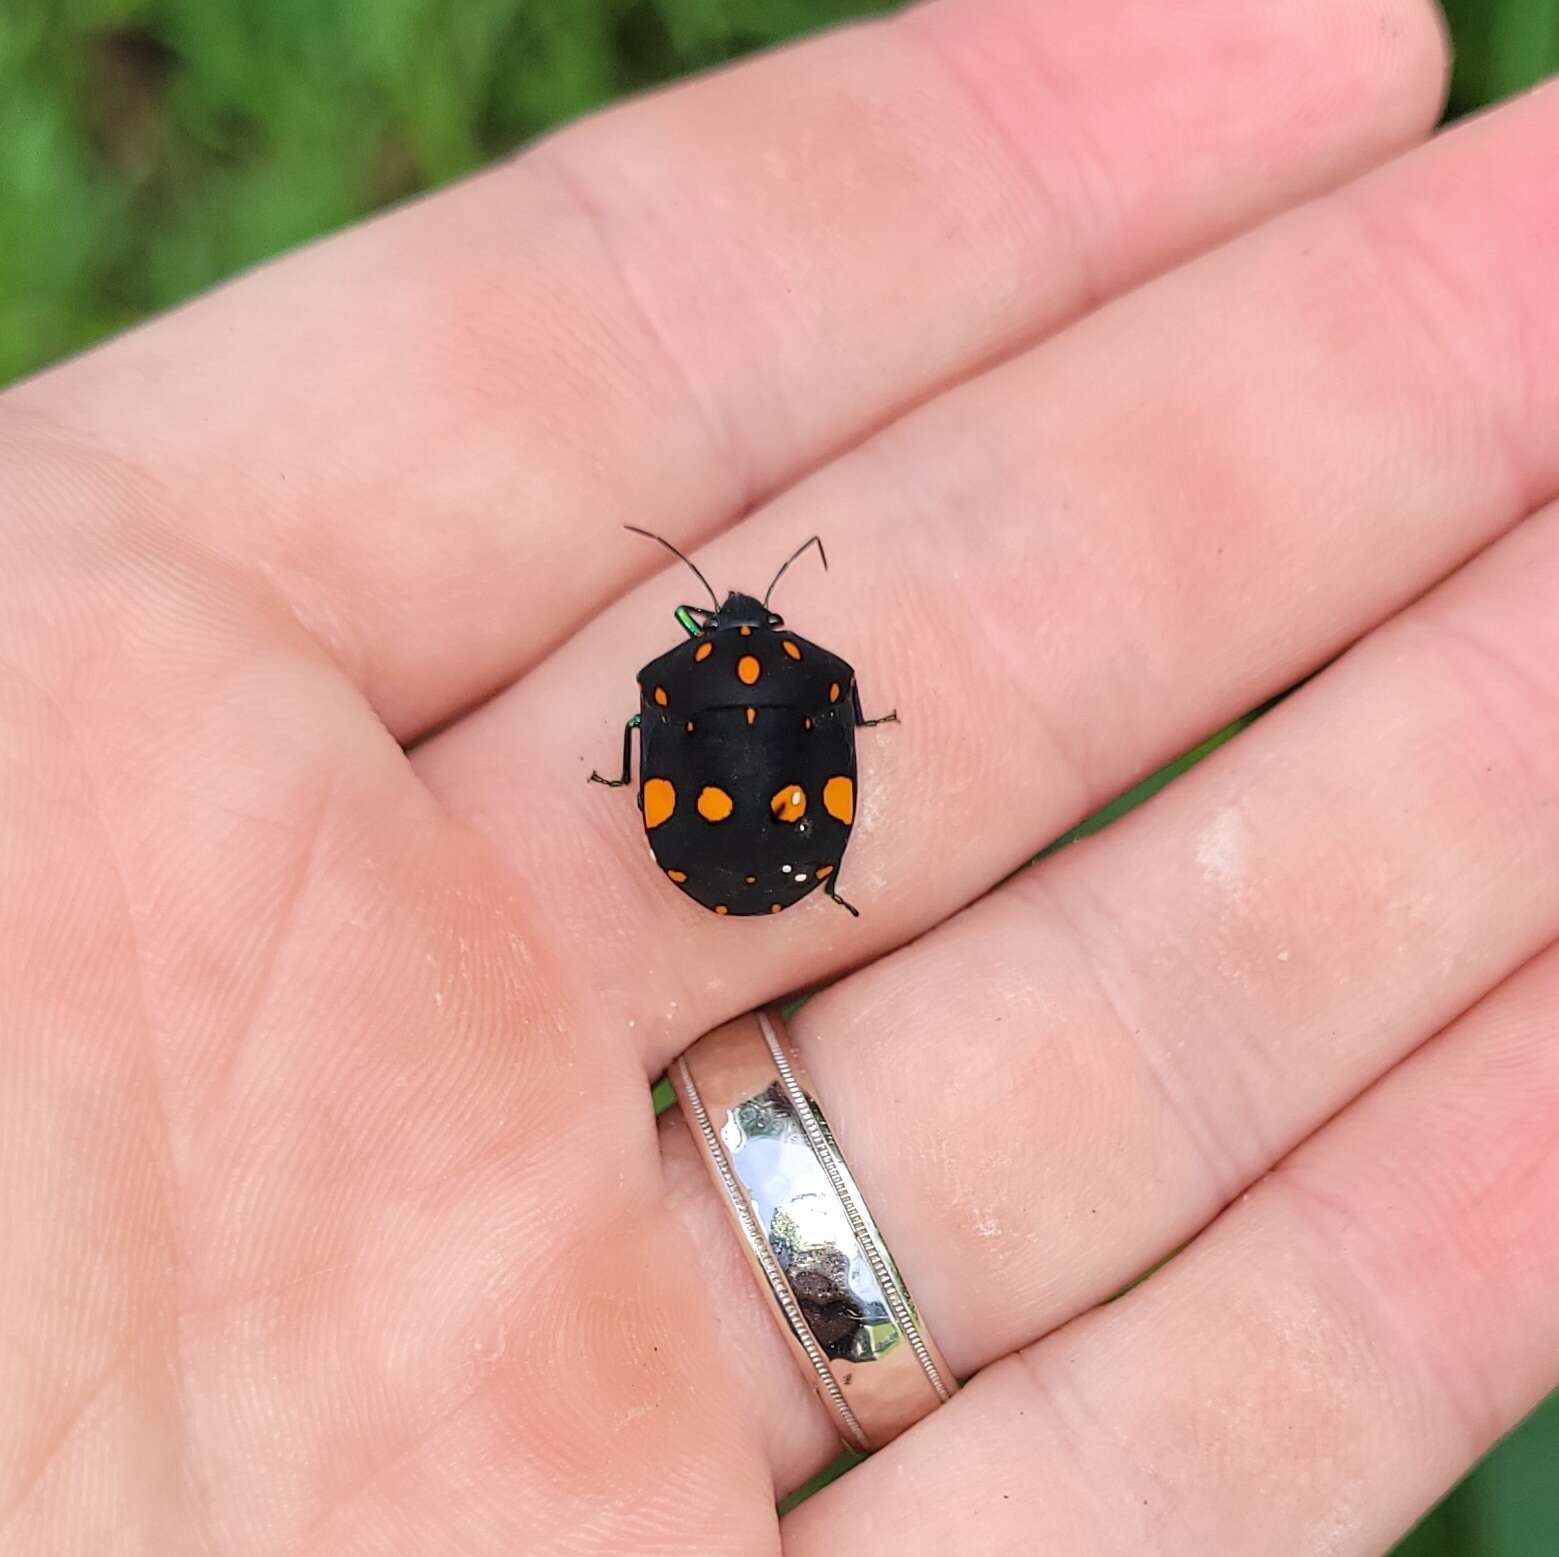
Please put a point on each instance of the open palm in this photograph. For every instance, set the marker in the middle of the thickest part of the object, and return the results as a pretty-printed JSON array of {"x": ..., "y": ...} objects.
[{"x": 1134, "y": 361}]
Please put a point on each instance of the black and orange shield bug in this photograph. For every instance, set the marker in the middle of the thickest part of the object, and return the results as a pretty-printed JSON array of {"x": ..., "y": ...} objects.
[{"x": 747, "y": 773}]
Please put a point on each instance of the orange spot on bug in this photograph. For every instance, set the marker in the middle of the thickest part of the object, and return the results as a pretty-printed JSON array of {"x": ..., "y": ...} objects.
[
  {"x": 748, "y": 669},
  {"x": 823, "y": 870},
  {"x": 789, "y": 804},
  {"x": 746, "y": 630},
  {"x": 690, "y": 727},
  {"x": 752, "y": 716},
  {"x": 714, "y": 805},
  {"x": 660, "y": 696},
  {"x": 839, "y": 799},
  {"x": 678, "y": 876},
  {"x": 774, "y": 908},
  {"x": 703, "y": 651},
  {"x": 790, "y": 648},
  {"x": 720, "y": 908},
  {"x": 751, "y": 879},
  {"x": 833, "y": 692},
  {"x": 660, "y": 800}
]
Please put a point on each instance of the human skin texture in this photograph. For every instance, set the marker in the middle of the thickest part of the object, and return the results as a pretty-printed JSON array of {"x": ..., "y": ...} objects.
[{"x": 1135, "y": 362}]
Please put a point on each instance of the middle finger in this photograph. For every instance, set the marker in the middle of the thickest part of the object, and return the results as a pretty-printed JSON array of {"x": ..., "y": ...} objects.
[{"x": 1183, "y": 504}]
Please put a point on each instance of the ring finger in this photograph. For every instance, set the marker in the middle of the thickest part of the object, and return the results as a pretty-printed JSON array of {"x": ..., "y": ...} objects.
[
  {"x": 1313, "y": 1372},
  {"x": 1059, "y": 1086}
]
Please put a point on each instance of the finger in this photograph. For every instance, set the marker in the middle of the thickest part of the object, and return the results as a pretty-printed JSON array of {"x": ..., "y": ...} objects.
[
  {"x": 1324, "y": 1362},
  {"x": 1056, "y": 1089},
  {"x": 421, "y": 433},
  {"x": 1237, "y": 470}
]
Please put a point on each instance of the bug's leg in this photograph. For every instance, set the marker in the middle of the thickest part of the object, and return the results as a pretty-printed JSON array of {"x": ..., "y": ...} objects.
[
  {"x": 831, "y": 887},
  {"x": 862, "y": 722},
  {"x": 617, "y": 783}
]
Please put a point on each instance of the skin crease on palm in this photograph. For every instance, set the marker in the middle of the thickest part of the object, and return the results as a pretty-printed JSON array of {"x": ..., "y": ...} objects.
[{"x": 1135, "y": 362}]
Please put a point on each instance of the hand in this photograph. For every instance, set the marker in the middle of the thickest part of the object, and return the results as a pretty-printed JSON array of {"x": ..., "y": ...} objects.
[{"x": 336, "y": 1218}]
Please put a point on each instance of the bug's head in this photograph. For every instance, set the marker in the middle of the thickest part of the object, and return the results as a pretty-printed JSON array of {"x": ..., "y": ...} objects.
[{"x": 738, "y": 611}]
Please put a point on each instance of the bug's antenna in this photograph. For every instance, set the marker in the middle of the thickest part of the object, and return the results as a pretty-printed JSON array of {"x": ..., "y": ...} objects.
[
  {"x": 817, "y": 541},
  {"x": 661, "y": 540}
]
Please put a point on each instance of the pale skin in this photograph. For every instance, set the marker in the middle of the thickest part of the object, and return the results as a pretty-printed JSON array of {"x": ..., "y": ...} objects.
[{"x": 1134, "y": 362}]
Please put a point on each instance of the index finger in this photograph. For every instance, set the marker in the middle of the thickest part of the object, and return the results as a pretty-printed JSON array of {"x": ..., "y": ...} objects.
[{"x": 420, "y": 432}]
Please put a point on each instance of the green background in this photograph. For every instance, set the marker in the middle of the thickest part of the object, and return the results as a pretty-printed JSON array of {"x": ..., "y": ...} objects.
[{"x": 150, "y": 147}]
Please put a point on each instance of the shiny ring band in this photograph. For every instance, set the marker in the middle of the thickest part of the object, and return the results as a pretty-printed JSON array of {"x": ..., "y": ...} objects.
[{"x": 812, "y": 1244}]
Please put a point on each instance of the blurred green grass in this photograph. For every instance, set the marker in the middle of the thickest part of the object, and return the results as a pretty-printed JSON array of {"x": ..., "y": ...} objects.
[{"x": 151, "y": 147}]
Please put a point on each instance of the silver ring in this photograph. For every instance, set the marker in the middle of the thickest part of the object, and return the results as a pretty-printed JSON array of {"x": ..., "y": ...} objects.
[{"x": 835, "y": 1291}]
